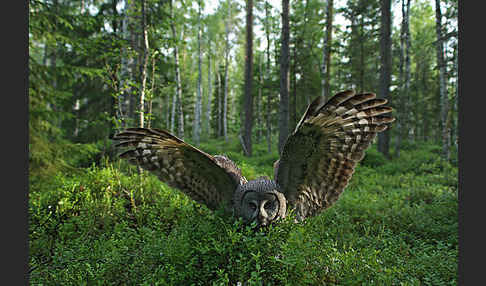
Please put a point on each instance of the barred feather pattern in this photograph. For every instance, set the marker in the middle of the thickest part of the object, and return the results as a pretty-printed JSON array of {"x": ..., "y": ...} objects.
[
  {"x": 204, "y": 178},
  {"x": 319, "y": 157}
]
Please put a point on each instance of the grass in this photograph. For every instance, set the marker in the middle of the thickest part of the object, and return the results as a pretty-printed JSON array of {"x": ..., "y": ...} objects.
[{"x": 396, "y": 224}]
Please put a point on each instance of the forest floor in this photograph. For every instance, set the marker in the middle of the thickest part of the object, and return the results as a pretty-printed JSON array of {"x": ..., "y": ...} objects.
[{"x": 104, "y": 224}]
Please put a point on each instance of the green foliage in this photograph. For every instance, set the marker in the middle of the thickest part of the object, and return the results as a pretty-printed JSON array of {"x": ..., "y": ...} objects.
[
  {"x": 396, "y": 224},
  {"x": 373, "y": 158}
]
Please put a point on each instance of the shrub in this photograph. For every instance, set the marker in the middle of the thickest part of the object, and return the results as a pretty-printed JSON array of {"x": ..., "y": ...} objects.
[{"x": 395, "y": 224}]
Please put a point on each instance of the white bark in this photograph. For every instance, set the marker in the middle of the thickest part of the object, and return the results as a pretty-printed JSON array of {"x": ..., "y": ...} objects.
[
  {"x": 177, "y": 100},
  {"x": 220, "y": 105},
  {"x": 210, "y": 93},
  {"x": 326, "y": 48},
  {"x": 197, "y": 109},
  {"x": 144, "y": 68},
  {"x": 267, "y": 77},
  {"x": 226, "y": 68}
]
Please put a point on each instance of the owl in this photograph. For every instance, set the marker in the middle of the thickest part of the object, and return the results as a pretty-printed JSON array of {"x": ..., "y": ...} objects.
[{"x": 315, "y": 164}]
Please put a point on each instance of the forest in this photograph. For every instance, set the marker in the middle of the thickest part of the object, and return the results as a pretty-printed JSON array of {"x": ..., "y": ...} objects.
[{"x": 234, "y": 77}]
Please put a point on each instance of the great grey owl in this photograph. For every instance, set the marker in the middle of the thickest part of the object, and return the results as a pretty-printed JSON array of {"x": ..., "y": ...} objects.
[{"x": 315, "y": 165}]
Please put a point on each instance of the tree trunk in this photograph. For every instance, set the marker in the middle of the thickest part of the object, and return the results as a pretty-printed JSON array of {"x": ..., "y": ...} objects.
[
  {"x": 134, "y": 59},
  {"x": 326, "y": 52},
  {"x": 361, "y": 56},
  {"x": 454, "y": 133},
  {"x": 385, "y": 68},
  {"x": 293, "y": 94},
  {"x": 444, "y": 102},
  {"x": 197, "y": 110},
  {"x": 407, "y": 94},
  {"x": 210, "y": 92},
  {"x": 267, "y": 78},
  {"x": 248, "y": 97},
  {"x": 284, "y": 78},
  {"x": 152, "y": 92},
  {"x": 259, "y": 99},
  {"x": 225, "y": 99},
  {"x": 145, "y": 64},
  {"x": 404, "y": 78},
  {"x": 126, "y": 69},
  {"x": 425, "y": 111},
  {"x": 220, "y": 106},
  {"x": 177, "y": 100}
]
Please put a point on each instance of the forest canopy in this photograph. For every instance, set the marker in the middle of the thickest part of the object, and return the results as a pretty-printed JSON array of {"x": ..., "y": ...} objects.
[{"x": 100, "y": 66}]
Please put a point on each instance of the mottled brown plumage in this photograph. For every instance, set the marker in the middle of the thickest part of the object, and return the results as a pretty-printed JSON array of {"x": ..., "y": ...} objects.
[
  {"x": 204, "y": 178},
  {"x": 314, "y": 168},
  {"x": 319, "y": 157}
]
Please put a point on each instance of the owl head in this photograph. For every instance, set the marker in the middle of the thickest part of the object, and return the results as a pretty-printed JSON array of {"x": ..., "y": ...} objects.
[{"x": 259, "y": 201}]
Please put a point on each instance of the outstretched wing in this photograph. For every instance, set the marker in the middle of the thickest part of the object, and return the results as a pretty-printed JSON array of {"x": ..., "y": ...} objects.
[
  {"x": 204, "y": 178},
  {"x": 319, "y": 157}
]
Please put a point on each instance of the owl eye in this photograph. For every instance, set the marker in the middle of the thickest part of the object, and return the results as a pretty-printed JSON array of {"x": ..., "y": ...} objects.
[
  {"x": 252, "y": 206},
  {"x": 269, "y": 205}
]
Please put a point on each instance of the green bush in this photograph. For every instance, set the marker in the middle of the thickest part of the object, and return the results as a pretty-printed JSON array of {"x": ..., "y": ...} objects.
[
  {"x": 395, "y": 224},
  {"x": 373, "y": 158}
]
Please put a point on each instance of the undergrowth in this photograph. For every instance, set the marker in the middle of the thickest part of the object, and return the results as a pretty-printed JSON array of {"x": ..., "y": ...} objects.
[{"x": 105, "y": 224}]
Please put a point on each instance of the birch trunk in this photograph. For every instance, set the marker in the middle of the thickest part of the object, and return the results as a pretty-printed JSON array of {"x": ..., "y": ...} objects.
[
  {"x": 144, "y": 67},
  {"x": 444, "y": 103},
  {"x": 326, "y": 52},
  {"x": 197, "y": 110},
  {"x": 220, "y": 106},
  {"x": 267, "y": 78},
  {"x": 152, "y": 93},
  {"x": 210, "y": 92},
  {"x": 361, "y": 56},
  {"x": 225, "y": 99},
  {"x": 226, "y": 68},
  {"x": 176, "y": 103}
]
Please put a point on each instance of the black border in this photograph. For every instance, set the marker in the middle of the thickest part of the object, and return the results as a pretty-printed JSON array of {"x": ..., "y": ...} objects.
[
  {"x": 471, "y": 188},
  {"x": 15, "y": 52}
]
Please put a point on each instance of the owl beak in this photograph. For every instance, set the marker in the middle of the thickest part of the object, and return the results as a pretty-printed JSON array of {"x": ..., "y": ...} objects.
[{"x": 262, "y": 217}]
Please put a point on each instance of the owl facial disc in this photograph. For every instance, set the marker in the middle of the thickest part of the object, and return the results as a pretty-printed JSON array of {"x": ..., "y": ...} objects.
[{"x": 259, "y": 201}]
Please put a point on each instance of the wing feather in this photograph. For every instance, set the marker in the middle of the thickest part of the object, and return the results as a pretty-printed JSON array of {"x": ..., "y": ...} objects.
[
  {"x": 319, "y": 157},
  {"x": 204, "y": 178}
]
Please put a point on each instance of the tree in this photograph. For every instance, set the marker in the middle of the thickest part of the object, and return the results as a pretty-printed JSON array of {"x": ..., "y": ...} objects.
[
  {"x": 326, "y": 51},
  {"x": 226, "y": 73},
  {"x": 385, "y": 68},
  {"x": 444, "y": 100},
  {"x": 127, "y": 70},
  {"x": 267, "y": 78},
  {"x": 404, "y": 77},
  {"x": 145, "y": 63},
  {"x": 248, "y": 96},
  {"x": 284, "y": 78},
  {"x": 210, "y": 90},
  {"x": 197, "y": 110},
  {"x": 177, "y": 99}
]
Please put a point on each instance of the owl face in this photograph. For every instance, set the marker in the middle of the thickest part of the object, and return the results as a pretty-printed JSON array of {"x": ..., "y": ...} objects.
[{"x": 259, "y": 201}]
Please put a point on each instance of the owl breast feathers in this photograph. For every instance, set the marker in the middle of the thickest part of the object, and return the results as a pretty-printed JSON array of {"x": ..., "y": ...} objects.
[{"x": 315, "y": 165}]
